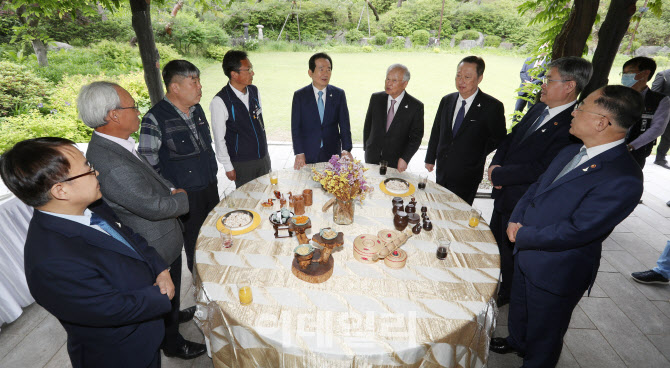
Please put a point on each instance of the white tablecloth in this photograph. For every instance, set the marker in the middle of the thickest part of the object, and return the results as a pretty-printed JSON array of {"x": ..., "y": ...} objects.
[{"x": 14, "y": 294}]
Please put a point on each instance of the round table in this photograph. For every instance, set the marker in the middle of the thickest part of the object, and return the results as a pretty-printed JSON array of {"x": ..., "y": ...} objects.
[{"x": 429, "y": 313}]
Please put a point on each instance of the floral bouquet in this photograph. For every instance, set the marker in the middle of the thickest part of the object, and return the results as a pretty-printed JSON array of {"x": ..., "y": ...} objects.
[{"x": 345, "y": 179}]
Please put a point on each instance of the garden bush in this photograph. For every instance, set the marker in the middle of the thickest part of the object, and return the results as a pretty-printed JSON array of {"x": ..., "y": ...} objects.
[
  {"x": 216, "y": 52},
  {"x": 353, "y": 36},
  {"x": 20, "y": 89},
  {"x": 398, "y": 42},
  {"x": 492, "y": 41},
  {"x": 469, "y": 34},
  {"x": 167, "y": 53},
  {"x": 33, "y": 125},
  {"x": 189, "y": 33},
  {"x": 415, "y": 15},
  {"x": 420, "y": 37},
  {"x": 380, "y": 39}
]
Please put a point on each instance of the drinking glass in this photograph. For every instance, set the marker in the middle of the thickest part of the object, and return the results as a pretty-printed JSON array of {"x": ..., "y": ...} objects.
[
  {"x": 443, "y": 245},
  {"x": 244, "y": 292},
  {"x": 423, "y": 181},
  {"x": 274, "y": 178},
  {"x": 382, "y": 167},
  {"x": 475, "y": 216},
  {"x": 227, "y": 238}
]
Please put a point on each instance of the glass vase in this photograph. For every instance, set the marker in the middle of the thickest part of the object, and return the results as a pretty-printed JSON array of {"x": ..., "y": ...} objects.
[{"x": 343, "y": 212}]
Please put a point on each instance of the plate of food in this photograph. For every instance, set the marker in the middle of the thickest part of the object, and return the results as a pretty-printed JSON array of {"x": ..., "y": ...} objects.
[
  {"x": 396, "y": 185},
  {"x": 238, "y": 219},
  {"x": 299, "y": 220},
  {"x": 328, "y": 233}
]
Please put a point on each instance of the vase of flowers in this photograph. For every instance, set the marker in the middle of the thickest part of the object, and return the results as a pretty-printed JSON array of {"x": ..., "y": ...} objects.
[{"x": 344, "y": 178}]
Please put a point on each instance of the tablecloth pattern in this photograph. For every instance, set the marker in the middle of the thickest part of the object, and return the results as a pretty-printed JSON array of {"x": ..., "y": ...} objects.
[{"x": 431, "y": 313}]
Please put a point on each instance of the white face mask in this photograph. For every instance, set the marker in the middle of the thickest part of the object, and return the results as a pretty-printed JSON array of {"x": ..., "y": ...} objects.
[{"x": 628, "y": 79}]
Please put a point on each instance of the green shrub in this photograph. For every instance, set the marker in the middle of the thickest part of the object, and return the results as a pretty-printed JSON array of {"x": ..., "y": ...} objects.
[
  {"x": 397, "y": 43},
  {"x": 33, "y": 125},
  {"x": 189, "y": 33},
  {"x": 20, "y": 89},
  {"x": 367, "y": 48},
  {"x": 380, "y": 39},
  {"x": 251, "y": 44},
  {"x": 167, "y": 53},
  {"x": 115, "y": 51},
  {"x": 353, "y": 36},
  {"x": 420, "y": 37},
  {"x": 216, "y": 52},
  {"x": 492, "y": 41},
  {"x": 469, "y": 34}
]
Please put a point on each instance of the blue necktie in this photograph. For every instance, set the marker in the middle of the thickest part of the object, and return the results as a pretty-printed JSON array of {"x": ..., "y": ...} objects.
[
  {"x": 572, "y": 164},
  {"x": 459, "y": 119},
  {"x": 321, "y": 107},
  {"x": 97, "y": 220},
  {"x": 536, "y": 124}
]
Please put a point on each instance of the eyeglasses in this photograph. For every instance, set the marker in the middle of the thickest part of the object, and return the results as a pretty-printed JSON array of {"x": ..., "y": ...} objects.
[
  {"x": 250, "y": 70},
  {"x": 629, "y": 72},
  {"x": 136, "y": 107},
  {"x": 546, "y": 80},
  {"x": 92, "y": 171},
  {"x": 578, "y": 107}
]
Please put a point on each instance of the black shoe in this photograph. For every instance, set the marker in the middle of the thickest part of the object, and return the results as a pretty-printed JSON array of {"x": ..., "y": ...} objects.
[
  {"x": 188, "y": 350},
  {"x": 501, "y": 346},
  {"x": 667, "y": 203},
  {"x": 186, "y": 315},
  {"x": 649, "y": 277},
  {"x": 663, "y": 164}
]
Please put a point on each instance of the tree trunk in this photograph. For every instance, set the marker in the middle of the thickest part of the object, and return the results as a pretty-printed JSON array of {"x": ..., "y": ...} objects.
[
  {"x": 399, "y": 3},
  {"x": 609, "y": 39},
  {"x": 145, "y": 40},
  {"x": 634, "y": 32},
  {"x": 101, "y": 11},
  {"x": 41, "y": 53},
  {"x": 572, "y": 38},
  {"x": 374, "y": 11}
]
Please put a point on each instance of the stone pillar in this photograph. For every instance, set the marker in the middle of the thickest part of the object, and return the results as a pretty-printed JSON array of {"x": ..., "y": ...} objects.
[
  {"x": 260, "y": 32},
  {"x": 246, "y": 30}
]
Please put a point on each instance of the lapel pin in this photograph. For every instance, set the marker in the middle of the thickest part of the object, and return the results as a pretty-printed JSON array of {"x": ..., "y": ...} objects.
[
  {"x": 585, "y": 169},
  {"x": 118, "y": 224},
  {"x": 479, "y": 105},
  {"x": 544, "y": 130},
  {"x": 331, "y": 95},
  {"x": 406, "y": 106},
  {"x": 593, "y": 166},
  {"x": 556, "y": 123}
]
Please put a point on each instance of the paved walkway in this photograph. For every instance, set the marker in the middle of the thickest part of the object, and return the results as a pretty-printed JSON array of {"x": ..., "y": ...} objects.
[{"x": 621, "y": 324}]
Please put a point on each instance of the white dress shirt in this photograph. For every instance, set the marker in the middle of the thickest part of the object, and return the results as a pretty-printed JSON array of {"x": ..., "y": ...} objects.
[
  {"x": 555, "y": 111},
  {"x": 459, "y": 103},
  {"x": 128, "y": 144},
  {"x": 316, "y": 95},
  {"x": 219, "y": 116},
  {"x": 596, "y": 150},
  {"x": 398, "y": 100},
  {"x": 84, "y": 219}
]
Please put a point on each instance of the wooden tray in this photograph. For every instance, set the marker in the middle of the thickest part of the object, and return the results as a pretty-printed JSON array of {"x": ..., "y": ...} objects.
[{"x": 316, "y": 272}]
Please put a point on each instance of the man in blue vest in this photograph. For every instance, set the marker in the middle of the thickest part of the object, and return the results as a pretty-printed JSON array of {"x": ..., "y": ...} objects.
[
  {"x": 175, "y": 139},
  {"x": 237, "y": 122}
]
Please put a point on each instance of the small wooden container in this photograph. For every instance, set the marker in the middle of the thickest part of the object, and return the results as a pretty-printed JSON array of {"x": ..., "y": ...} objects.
[
  {"x": 366, "y": 247},
  {"x": 396, "y": 259}
]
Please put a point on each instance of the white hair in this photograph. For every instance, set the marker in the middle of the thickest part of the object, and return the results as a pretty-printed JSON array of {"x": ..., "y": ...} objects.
[
  {"x": 405, "y": 76},
  {"x": 95, "y": 101}
]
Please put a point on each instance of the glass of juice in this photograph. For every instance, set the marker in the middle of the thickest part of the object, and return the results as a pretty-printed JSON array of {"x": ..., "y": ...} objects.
[
  {"x": 274, "y": 178},
  {"x": 244, "y": 292},
  {"x": 227, "y": 238},
  {"x": 475, "y": 216}
]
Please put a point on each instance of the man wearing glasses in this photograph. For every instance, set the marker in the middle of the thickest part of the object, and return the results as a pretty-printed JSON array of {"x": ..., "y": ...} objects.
[
  {"x": 237, "y": 122},
  {"x": 106, "y": 286},
  {"x": 561, "y": 221},
  {"x": 642, "y": 136},
  {"x": 529, "y": 149},
  {"x": 141, "y": 198}
]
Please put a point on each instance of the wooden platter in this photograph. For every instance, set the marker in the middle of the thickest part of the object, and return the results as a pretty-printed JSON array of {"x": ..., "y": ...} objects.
[{"x": 316, "y": 272}]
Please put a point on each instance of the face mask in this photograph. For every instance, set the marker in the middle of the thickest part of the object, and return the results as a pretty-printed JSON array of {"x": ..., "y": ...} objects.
[{"x": 628, "y": 79}]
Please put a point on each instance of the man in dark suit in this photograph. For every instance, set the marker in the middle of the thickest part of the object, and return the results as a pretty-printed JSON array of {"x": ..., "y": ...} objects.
[
  {"x": 394, "y": 122},
  {"x": 559, "y": 225},
  {"x": 468, "y": 125},
  {"x": 528, "y": 150},
  {"x": 137, "y": 193},
  {"x": 319, "y": 117},
  {"x": 105, "y": 285},
  {"x": 528, "y": 79}
]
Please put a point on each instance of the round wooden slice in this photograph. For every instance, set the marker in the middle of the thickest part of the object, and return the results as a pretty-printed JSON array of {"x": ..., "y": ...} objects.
[{"x": 316, "y": 272}]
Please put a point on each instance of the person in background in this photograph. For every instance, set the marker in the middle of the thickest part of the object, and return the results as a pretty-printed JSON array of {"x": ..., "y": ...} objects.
[{"x": 662, "y": 85}]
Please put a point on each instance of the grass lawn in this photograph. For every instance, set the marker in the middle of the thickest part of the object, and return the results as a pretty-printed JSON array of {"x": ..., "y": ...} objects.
[{"x": 279, "y": 74}]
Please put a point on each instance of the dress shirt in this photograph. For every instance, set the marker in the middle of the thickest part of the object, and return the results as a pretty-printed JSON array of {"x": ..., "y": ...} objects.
[
  {"x": 128, "y": 144},
  {"x": 555, "y": 111},
  {"x": 658, "y": 123},
  {"x": 219, "y": 116},
  {"x": 468, "y": 103},
  {"x": 84, "y": 219},
  {"x": 397, "y": 102},
  {"x": 596, "y": 150},
  {"x": 316, "y": 94}
]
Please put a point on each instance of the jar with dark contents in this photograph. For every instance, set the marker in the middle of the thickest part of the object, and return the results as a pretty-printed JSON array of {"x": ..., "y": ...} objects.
[
  {"x": 427, "y": 225},
  {"x": 416, "y": 229},
  {"x": 400, "y": 220},
  {"x": 397, "y": 207},
  {"x": 410, "y": 208}
]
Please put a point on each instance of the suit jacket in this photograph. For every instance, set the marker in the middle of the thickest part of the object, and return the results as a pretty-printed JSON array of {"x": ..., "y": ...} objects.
[
  {"x": 662, "y": 82},
  {"x": 565, "y": 222},
  {"x": 308, "y": 131},
  {"x": 460, "y": 159},
  {"x": 404, "y": 135},
  {"x": 139, "y": 196},
  {"x": 522, "y": 161},
  {"x": 100, "y": 291}
]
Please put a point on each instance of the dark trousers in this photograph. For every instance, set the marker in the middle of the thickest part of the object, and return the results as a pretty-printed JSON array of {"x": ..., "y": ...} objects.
[
  {"x": 663, "y": 145},
  {"x": 200, "y": 203},
  {"x": 640, "y": 156},
  {"x": 156, "y": 362},
  {"x": 246, "y": 171},
  {"x": 173, "y": 338},
  {"x": 498, "y": 226},
  {"x": 538, "y": 321}
]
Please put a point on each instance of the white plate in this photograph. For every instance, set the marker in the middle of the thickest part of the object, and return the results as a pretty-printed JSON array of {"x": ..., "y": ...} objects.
[
  {"x": 395, "y": 191},
  {"x": 223, "y": 220}
]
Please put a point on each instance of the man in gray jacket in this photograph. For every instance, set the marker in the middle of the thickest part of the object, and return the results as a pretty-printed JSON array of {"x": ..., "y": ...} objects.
[
  {"x": 662, "y": 85},
  {"x": 141, "y": 198}
]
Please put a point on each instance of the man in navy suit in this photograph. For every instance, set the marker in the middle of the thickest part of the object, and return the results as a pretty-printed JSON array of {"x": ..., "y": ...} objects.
[
  {"x": 319, "y": 117},
  {"x": 468, "y": 126},
  {"x": 107, "y": 288},
  {"x": 559, "y": 225},
  {"x": 394, "y": 122},
  {"x": 528, "y": 150}
]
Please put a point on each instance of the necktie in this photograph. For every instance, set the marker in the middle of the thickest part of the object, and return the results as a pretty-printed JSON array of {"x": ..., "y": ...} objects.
[
  {"x": 390, "y": 115},
  {"x": 320, "y": 105},
  {"x": 572, "y": 164},
  {"x": 536, "y": 124},
  {"x": 97, "y": 220},
  {"x": 459, "y": 119}
]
